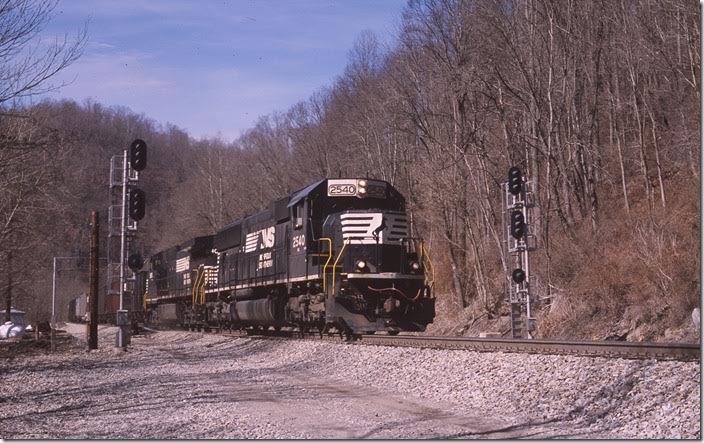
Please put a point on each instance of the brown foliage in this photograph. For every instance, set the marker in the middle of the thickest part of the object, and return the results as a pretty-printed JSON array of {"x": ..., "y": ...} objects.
[{"x": 596, "y": 101}]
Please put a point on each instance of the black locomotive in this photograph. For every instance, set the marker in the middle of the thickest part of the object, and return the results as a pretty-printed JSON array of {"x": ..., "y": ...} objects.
[{"x": 335, "y": 254}]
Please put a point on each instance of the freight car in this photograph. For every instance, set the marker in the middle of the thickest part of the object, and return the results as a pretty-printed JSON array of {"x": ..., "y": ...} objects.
[{"x": 335, "y": 254}]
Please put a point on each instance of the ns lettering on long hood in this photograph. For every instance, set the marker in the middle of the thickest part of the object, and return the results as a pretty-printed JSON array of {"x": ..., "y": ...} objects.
[{"x": 261, "y": 239}]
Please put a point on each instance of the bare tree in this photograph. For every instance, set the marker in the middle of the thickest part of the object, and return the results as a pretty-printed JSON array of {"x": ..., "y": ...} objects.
[
  {"x": 27, "y": 65},
  {"x": 26, "y": 150},
  {"x": 25, "y": 70}
]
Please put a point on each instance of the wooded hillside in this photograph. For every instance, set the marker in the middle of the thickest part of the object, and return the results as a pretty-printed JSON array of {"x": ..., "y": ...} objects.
[{"x": 596, "y": 101}]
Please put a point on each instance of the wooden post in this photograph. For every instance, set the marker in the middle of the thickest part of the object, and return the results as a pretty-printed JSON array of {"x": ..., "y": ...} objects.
[
  {"x": 94, "y": 276},
  {"x": 8, "y": 307}
]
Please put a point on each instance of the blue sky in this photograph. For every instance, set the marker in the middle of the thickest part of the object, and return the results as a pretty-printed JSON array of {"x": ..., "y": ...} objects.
[{"x": 213, "y": 67}]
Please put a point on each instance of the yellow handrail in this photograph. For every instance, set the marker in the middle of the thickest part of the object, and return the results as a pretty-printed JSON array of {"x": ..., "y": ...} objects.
[
  {"x": 201, "y": 289},
  {"x": 334, "y": 266},
  {"x": 194, "y": 289},
  {"x": 325, "y": 267},
  {"x": 425, "y": 255}
]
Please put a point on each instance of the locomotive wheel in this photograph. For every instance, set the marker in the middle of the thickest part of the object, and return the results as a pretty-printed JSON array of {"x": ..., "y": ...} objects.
[{"x": 347, "y": 333}]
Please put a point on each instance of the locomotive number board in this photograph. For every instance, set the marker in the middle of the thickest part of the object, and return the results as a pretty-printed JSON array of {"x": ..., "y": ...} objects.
[
  {"x": 356, "y": 187},
  {"x": 342, "y": 188}
]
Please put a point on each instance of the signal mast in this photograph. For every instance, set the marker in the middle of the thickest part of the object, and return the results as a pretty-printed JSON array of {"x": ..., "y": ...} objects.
[
  {"x": 127, "y": 208},
  {"x": 520, "y": 240}
]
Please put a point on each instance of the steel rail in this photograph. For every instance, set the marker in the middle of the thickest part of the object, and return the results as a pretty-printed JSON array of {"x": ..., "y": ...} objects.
[
  {"x": 608, "y": 349},
  {"x": 611, "y": 349}
]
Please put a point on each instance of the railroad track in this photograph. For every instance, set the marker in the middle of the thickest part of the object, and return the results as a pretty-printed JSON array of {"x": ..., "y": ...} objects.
[{"x": 611, "y": 349}]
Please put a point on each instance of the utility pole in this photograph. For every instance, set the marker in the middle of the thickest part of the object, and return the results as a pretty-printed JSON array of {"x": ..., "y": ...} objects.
[
  {"x": 8, "y": 308},
  {"x": 53, "y": 293},
  {"x": 53, "y": 307},
  {"x": 94, "y": 276}
]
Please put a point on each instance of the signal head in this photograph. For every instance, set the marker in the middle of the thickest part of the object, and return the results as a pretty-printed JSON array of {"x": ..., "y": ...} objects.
[
  {"x": 137, "y": 204},
  {"x": 135, "y": 262},
  {"x": 518, "y": 224},
  {"x": 138, "y": 155},
  {"x": 515, "y": 180}
]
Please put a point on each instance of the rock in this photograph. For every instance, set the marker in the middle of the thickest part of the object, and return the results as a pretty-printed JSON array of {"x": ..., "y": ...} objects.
[{"x": 193, "y": 390}]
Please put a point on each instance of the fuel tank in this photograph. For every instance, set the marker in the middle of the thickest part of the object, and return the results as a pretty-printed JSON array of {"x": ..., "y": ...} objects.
[{"x": 262, "y": 312}]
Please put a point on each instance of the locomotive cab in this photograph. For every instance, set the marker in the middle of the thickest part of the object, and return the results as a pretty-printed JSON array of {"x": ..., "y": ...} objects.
[{"x": 374, "y": 271}]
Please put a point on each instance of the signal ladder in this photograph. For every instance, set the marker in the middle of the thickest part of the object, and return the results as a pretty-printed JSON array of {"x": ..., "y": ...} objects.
[{"x": 520, "y": 240}]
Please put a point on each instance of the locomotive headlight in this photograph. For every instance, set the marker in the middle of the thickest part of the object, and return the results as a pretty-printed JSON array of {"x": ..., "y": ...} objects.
[
  {"x": 361, "y": 188},
  {"x": 361, "y": 264},
  {"x": 415, "y": 266}
]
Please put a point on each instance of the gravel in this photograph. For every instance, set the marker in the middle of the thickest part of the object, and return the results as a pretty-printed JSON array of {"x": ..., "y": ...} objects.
[{"x": 177, "y": 384}]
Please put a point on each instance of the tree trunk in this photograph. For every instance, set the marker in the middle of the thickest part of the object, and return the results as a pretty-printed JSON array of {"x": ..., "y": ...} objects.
[
  {"x": 643, "y": 157},
  {"x": 658, "y": 165},
  {"x": 615, "y": 133},
  {"x": 693, "y": 161},
  {"x": 456, "y": 282}
]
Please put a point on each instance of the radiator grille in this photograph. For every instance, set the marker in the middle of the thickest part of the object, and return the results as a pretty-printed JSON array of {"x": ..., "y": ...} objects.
[{"x": 365, "y": 228}]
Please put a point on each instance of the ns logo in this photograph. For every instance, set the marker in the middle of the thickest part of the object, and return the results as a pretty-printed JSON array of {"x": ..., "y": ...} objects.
[{"x": 261, "y": 239}]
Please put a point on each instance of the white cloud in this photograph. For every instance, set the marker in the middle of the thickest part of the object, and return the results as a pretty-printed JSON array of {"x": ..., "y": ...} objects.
[{"x": 208, "y": 67}]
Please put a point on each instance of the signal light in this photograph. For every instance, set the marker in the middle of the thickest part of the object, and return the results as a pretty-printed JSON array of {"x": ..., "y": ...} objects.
[
  {"x": 518, "y": 225},
  {"x": 518, "y": 276},
  {"x": 515, "y": 181},
  {"x": 138, "y": 155},
  {"x": 135, "y": 262},
  {"x": 137, "y": 204}
]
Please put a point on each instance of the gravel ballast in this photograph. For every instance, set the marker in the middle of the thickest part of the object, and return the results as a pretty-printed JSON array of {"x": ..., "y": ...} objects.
[{"x": 175, "y": 384}]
